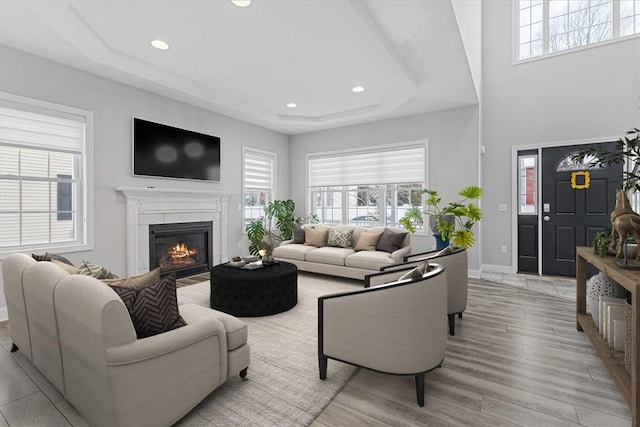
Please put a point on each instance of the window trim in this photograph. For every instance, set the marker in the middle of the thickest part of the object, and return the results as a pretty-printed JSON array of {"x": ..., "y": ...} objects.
[
  {"x": 515, "y": 37},
  {"x": 274, "y": 184},
  {"x": 423, "y": 143},
  {"x": 85, "y": 192}
]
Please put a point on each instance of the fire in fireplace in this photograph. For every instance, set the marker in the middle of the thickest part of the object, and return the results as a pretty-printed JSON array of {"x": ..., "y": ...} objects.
[{"x": 183, "y": 248}]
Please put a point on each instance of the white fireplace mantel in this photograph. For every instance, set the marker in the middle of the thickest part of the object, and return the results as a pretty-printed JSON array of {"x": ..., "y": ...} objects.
[{"x": 153, "y": 205}]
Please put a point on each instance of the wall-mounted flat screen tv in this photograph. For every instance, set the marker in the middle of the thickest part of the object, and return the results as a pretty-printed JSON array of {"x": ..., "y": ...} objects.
[{"x": 168, "y": 152}]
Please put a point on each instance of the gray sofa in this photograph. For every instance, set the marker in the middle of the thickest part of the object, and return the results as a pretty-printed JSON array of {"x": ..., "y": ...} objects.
[
  {"x": 347, "y": 260},
  {"x": 76, "y": 330}
]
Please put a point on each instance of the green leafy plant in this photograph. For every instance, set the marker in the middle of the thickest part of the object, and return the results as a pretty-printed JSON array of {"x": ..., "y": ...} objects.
[
  {"x": 465, "y": 214},
  {"x": 278, "y": 213},
  {"x": 627, "y": 150},
  {"x": 601, "y": 242}
]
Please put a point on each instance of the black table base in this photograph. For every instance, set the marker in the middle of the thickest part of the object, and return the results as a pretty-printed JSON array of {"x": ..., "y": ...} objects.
[{"x": 251, "y": 293}]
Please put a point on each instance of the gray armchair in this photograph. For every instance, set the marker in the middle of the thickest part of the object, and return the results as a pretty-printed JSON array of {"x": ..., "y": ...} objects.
[
  {"x": 396, "y": 328},
  {"x": 456, "y": 266}
]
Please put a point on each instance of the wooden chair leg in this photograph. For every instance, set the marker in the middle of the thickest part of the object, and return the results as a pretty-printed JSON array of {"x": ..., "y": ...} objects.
[
  {"x": 322, "y": 362},
  {"x": 243, "y": 373},
  {"x": 452, "y": 324},
  {"x": 420, "y": 389},
  {"x": 460, "y": 315},
  {"x": 14, "y": 347}
]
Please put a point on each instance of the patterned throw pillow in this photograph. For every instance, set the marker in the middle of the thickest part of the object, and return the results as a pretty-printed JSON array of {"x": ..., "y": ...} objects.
[
  {"x": 137, "y": 282},
  {"x": 417, "y": 272},
  {"x": 94, "y": 270},
  {"x": 367, "y": 241},
  {"x": 340, "y": 239},
  {"x": 298, "y": 234},
  {"x": 391, "y": 241},
  {"x": 154, "y": 308},
  {"x": 48, "y": 257},
  {"x": 316, "y": 237}
]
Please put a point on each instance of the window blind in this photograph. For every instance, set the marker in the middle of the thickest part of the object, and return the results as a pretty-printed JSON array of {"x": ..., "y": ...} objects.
[
  {"x": 26, "y": 128},
  {"x": 258, "y": 171},
  {"x": 391, "y": 166}
]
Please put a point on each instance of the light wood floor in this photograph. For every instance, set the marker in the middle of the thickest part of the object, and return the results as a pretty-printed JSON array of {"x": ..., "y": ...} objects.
[{"x": 516, "y": 359}]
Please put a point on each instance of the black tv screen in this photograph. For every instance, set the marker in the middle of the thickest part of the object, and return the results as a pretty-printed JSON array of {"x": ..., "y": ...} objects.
[{"x": 165, "y": 151}]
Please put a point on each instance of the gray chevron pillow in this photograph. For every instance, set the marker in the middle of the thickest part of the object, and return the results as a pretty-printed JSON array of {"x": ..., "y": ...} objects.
[
  {"x": 340, "y": 239},
  {"x": 154, "y": 308}
]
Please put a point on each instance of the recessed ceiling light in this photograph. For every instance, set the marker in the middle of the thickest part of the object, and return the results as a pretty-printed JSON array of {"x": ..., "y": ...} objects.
[
  {"x": 357, "y": 89},
  {"x": 241, "y": 3},
  {"x": 159, "y": 44},
  {"x": 292, "y": 105}
]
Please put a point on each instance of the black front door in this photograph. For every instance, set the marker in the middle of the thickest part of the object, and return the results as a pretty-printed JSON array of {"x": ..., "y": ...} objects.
[{"x": 576, "y": 204}]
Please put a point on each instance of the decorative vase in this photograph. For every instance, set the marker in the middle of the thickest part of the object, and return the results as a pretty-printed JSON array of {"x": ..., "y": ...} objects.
[
  {"x": 602, "y": 285},
  {"x": 268, "y": 243}
]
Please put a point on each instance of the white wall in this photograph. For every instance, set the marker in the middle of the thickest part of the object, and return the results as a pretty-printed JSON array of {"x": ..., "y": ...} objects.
[
  {"x": 113, "y": 105},
  {"x": 453, "y": 151},
  {"x": 587, "y": 94}
]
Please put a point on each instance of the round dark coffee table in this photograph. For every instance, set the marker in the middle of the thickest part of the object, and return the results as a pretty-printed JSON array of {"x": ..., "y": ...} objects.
[{"x": 250, "y": 293}]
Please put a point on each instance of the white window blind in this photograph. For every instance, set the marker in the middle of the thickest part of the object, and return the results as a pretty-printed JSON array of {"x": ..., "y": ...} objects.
[
  {"x": 41, "y": 131},
  {"x": 42, "y": 154},
  {"x": 389, "y": 166},
  {"x": 258, "y": 171}
]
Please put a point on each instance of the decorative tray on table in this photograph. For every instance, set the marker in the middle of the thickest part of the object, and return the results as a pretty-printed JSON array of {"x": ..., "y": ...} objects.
[{"x": 243, "y": 265}]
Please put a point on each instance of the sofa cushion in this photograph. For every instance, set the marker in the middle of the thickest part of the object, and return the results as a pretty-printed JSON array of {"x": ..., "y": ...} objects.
[
  {"x": 292, "y": 251},
  {"x": 391, "y": 241},
  {"x": 237, "y": 332},
  {"x": 298, "y": 234},
  {"x": 316, "y": 236},
  {"x": 367, "y": 241},
  {"x": 137, "y": 282},
  {"x": 329, "y": 255},
  {"x": 340, "y": 238},
  {"x": 370, "y": 260},
  {"x": 154, "y": 308},
  {"x": 94, "y": 270}
]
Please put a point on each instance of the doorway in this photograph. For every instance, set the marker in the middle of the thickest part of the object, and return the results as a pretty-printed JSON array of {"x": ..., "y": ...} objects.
[{"x": 573, "y": 205}]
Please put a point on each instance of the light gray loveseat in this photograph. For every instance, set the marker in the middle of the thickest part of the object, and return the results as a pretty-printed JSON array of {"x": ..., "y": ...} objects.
[
  {"x": 76, "y": 330},
  {"x": 343, "y": 261}
]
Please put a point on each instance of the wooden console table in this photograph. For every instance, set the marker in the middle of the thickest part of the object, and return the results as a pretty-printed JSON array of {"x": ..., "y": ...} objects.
[{"x": 629, "y": 385}]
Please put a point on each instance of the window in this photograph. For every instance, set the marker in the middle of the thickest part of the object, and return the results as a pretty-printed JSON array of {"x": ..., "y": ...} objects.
[
  {"x": 367, "y": 188},
  {"x": 42, "y": 182},
  {"x": 527, "y": 184},
  {"x": 551, "y": 26},
  {"x": 258, "y": 182}
]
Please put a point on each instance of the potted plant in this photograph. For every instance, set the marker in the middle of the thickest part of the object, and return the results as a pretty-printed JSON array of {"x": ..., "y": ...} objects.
[
  {"x": 278, "y": 213},
  {"x": 454, "y": 220}
]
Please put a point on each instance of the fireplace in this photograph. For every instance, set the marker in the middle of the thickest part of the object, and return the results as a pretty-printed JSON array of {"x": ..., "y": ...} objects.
[{"x": 183, "y": 248}]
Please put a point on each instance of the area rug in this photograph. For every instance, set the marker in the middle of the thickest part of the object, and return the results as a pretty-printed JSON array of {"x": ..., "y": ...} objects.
[{"x": 282, "y": 387}]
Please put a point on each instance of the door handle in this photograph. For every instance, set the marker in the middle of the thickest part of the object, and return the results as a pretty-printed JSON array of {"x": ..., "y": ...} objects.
[{"x": 546, "y": 217}]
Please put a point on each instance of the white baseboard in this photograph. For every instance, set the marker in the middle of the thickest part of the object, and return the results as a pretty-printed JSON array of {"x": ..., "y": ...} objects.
[
  {"x": 494, "y": 268},
  {"x": 474, "y": 274},
  {"x": 4, "y": 314}
]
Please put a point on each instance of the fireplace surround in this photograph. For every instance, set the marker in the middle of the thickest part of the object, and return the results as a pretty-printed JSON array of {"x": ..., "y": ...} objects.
[{"x": 147, "y": 206}]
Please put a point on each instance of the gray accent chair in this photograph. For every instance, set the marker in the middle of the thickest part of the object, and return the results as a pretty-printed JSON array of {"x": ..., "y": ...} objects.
[
  {"x": 456, "y": 266},
  {"x": 396, "y": 328}
]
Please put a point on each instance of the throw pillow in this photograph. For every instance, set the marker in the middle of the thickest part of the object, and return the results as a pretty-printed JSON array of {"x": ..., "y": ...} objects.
[
  {"x": 340, "y": 239},
  {"x": 94, "y": 270},
  {"x": 66, "y": 267},
  {"x": 298, "y": 234},
  {"x": 391, "y": 241},
  {"x": 137, "y": 282},
  {"x": 416, "y": 273},
  {"x": 367, "y": 241},
  {"x": 154, "y": 308},
  {"x": 445, "y": 251},
  {"x": 48, "y": 257},
  {"x": 316, "y": 237}
]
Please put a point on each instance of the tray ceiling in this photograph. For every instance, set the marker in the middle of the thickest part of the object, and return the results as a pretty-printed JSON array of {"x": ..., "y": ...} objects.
[{"x": 248, "y": 63}]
